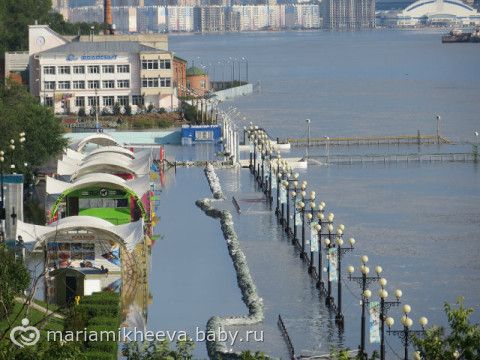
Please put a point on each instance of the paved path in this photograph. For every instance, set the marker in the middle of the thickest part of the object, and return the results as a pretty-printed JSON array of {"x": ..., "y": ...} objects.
[{"x": 35, "y": 306}]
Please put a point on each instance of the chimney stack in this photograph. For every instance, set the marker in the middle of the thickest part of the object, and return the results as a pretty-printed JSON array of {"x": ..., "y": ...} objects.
[{"x": 107, "y": 16}]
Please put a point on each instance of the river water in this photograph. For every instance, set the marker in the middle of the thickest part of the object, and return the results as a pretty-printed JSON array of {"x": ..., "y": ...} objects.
[{"x": 421, "y": 222}]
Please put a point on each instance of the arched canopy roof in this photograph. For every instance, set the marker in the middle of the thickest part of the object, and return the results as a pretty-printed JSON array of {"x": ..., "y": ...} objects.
[
  {"x": 136, "y": 188},
  {"x": 97, "y": 138},
  {"x": 429, "y": 8},
  {"x": 112, "y": 149},
  {"x": 127, "y": 235},
  {"x": 108, "y": 162}
]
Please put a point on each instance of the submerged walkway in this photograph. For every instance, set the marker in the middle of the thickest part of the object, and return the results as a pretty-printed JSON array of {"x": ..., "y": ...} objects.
[{"x": 192, "y": 276}]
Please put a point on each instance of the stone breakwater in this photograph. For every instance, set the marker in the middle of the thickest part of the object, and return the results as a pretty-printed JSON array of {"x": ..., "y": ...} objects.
[
  {"x": 214, "y": 182},
  {"x": 245, "y": 282}
]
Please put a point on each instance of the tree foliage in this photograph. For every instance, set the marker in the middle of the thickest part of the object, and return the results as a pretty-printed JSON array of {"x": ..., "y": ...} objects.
[
  {"x": 463, "y": 341},
  {"x": 16, "y": 15},
  {"x": 158, "y": 350},
  {"x": 14, "y": 278},
  {"x": 21, "y": 112}
]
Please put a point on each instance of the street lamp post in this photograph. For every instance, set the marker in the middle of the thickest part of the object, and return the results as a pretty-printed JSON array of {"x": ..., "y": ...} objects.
[
  {"x": 384, "y": 307},
  {"x": 405, "y": 334},
  {"x": 339, "y": 318},
  {"x": 308, "y": 138},
  {"x": 302, "y": 209},
  {"x": 288, "y": 181},
  {"x": 364, "y": 281},
  {"x": 438, "y": 128},
  {"x": 328, "y": 245},
  {"x": 278, "y": 177},
  {"x": 2, "y": 205},
  {"x": 475, "y": 146}
]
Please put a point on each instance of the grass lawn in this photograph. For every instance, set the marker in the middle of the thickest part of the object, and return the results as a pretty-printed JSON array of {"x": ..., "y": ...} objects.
[
  {"x": 34, "y": 316},
  {"x": 116, "y": 216}
]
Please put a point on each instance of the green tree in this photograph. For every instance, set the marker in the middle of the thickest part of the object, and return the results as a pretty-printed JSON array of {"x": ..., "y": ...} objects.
[
  {"x": 21, "y": 112},
  {"x": 117, "y": 108},
  {"x": 14, "y": 278},
  {"x": 463, "y": 341},
  {"x": 128, "y": 110}
]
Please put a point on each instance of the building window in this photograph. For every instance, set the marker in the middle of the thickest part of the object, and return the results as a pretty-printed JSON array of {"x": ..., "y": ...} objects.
[
  {"x": 93, "y": 84},
  {"x": 108, "y": 84},
  {"x": 94, "y": 69},
  {"x": 149, "y": 64},
  {"x": 108, "y": 69},
  {"x": 49, "y": 70},
  {"x": 92, "y": 100},
  {"x": 165, "y": 82},
  {"x": 137, "y": 100},
  {"x": 123, "y": 69},
  {"x": 64, "y": 69},
  {"x": 203, "y": 135},
  {"x": 122, "y": 100},
  {"x": 108, "y": 101},
  {"x": 165, "y": 64},
  {"x": 123, "y": 84},
  {"x": 80, "y": 84},
  {"x": 79, "y": 69},
  {"x": 49, "y": 85},
  {"x": 64, "y": 85},
  {"x": 150, "y": 82},
  {"x": 80, "y": 101},
  {"x": 48, "y": 101},
  {"x": 202, "y": 84}
]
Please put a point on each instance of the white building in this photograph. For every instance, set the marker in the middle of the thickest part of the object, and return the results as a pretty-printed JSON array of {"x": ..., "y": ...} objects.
[
  {"x": 180, "y": 18},
  {"x": 95, "y": 75},
  {"x": 426, "y": 12}
]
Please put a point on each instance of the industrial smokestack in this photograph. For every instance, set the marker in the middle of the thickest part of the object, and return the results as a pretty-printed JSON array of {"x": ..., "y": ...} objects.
[{"x": 107, "y": 16}]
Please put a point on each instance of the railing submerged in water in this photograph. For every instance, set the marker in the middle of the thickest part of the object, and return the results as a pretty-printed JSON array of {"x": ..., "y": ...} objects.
[
  {"x": 371, "y": 140},
  {"x": 288, "y": 341},
  {"x": 355, "y": 159}
]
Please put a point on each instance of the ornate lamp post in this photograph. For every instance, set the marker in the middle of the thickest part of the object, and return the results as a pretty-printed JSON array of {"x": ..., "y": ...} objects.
[
  {"x": 329, "y": 245},
  {"x": 303, "y": 210},
  {"x": 364, "y": 281},
  {"x": 294, "y": 194},
  {"x": 2, "y": 204},
  {"x": 278, "y": 176},
  {"x": 405, "y": 334},
  {"x": 384, "y": 307},
  {"x": 12, "y": 149},
  {"x": 289, "y": 180},
  {"x": 339, "y": 318}
]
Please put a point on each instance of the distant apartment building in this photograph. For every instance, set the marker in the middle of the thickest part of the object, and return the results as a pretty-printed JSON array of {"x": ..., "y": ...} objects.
[
  {"x": 210, "y": 18},
  {"x": 349, "y": 14},
  {"x": 180, "y": 18}
]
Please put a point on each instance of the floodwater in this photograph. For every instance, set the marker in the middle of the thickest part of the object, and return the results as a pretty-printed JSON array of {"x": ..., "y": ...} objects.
[{"x": 420, "y": 222}]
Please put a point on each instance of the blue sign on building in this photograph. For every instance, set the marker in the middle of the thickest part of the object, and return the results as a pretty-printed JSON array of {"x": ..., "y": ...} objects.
[{"x": 200, "y": 133}]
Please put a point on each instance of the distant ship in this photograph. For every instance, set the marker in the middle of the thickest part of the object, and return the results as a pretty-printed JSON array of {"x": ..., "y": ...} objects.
[{"x": 457, "y": 35}]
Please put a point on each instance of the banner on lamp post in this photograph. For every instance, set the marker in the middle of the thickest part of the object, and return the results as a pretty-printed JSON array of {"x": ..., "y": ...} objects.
[
  {"x": 332, "y": 264},
  {"x": 283, "y": 195},
  {"x": 250, "y": 147},
  {"x": 313, "y": 237},
  {"x": 374, "y": 311},
  {"x": 274, "y": 181},
  {"x": 298, "y": 218}
]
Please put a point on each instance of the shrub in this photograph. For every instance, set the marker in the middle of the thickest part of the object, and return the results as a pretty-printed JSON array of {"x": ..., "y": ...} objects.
[
  {"x": 162, "y": 110},
  {"x": 81, "y": 112},
  {"x": 97, "y": 355},
  {"x": 128, "y": 110},
  {"x": 117, "y": 108},
  {"x": 150, "y": 108}
]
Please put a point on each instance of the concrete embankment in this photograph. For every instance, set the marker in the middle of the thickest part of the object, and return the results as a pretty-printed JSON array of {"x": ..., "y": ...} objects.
[{"x": 247, "y": 287}]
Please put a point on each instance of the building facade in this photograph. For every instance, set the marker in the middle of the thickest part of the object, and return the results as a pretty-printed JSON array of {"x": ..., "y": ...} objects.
[
  {"x": 349, "y": 14},
  {"x": 96, "y": 75}
]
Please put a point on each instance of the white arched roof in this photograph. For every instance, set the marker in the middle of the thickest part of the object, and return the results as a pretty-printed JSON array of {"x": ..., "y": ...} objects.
[
  {"x": 429, "y": 8},
  {"x": 106, "y": 162},
  {"x": 128, "y": 235},
  {"x": 138, "y": 186},
  {"x": 112, "y": 149},
  {"x": 97, "y": 138}
]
